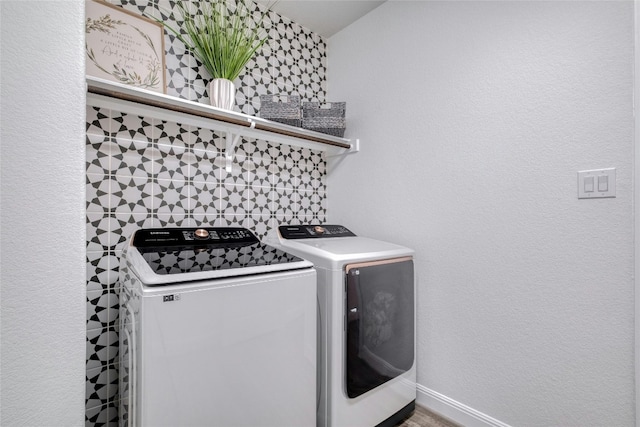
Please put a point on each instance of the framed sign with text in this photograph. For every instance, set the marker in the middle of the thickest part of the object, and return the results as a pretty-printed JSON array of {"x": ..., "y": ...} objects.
[{"x": 124, "y": 47}]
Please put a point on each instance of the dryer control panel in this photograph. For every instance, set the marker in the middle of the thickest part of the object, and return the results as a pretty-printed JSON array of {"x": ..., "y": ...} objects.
[{"x": 313, "y": 231}]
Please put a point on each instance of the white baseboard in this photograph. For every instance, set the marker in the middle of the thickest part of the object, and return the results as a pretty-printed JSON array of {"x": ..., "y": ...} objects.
[{"x": 453, "y": 410}]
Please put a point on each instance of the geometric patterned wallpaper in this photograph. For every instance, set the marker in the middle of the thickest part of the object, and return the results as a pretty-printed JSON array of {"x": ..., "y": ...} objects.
[
  {"x": 145, "y": 172},
  {"x": 292, "y": 61}
]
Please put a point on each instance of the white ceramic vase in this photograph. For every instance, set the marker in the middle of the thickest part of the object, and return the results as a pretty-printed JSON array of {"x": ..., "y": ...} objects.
[{"x": 222, "y": 93}]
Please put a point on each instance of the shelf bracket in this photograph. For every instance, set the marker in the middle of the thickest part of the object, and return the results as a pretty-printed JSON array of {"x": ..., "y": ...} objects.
[
  {"x": 336, "y": 159},
  {"x": 232, "y": 143},
  {"x": 355, "y": 147}
]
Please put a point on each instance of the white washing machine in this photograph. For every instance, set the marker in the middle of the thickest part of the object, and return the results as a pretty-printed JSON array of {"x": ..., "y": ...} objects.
[
  {"x": 217, "y": 329},
  {"x": 366, "y": 343}
]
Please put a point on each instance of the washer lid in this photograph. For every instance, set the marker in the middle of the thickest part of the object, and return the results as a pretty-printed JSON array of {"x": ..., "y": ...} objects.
[{"x": 170, "y": 255}]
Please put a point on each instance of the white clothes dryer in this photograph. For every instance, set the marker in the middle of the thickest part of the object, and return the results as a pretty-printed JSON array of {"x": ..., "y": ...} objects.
[{"x": 366, "y": 342}]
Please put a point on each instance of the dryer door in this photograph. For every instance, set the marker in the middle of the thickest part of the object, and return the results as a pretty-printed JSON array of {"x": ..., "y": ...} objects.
[{"x": 380, "y": 323}]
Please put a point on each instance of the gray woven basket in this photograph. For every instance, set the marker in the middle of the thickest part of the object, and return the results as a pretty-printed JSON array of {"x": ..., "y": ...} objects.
[
  {"x": 281, "y": 108},
  {"x": 328, "y": 118}
]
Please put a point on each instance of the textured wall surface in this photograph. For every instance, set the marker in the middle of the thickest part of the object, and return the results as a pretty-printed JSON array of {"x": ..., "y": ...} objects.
[
  {"x": 42, "y": 221},
  {"x": 145, "y": 172},
  {"x": 474, "y": 118}
]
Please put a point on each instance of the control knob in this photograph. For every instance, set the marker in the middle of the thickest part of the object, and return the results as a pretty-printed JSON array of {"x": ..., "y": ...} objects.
[
  {"x": 201, "y": 233},
  {"x": 318, "y": 229}
]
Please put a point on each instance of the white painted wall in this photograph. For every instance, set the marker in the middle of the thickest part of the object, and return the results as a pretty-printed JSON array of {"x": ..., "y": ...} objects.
[
  {"x": 636, "y": 203},
  {"x": 474, "y": 118},
  {"x": 42, "y": 200}
]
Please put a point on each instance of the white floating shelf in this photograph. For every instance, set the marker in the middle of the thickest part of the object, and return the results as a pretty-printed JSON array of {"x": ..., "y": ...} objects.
[{"x": 132, "y": 100}]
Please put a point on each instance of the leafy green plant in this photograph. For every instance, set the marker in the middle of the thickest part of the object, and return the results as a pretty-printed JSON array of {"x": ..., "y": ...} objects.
[{"x": 223, "y": 40}]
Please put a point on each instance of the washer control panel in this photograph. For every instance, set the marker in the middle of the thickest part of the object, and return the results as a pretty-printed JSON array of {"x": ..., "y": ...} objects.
[
  {"x": 313, "y": 231},
  {"x": 163, "y": 237}
]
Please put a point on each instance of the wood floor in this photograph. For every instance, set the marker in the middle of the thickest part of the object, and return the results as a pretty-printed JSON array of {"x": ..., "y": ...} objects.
[{"x": 424, "y": 418}]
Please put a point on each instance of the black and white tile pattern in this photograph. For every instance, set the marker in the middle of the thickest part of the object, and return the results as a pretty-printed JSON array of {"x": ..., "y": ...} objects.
[
  {"x": 144, "y": 172},
  {"x": 292, "y": 61}
]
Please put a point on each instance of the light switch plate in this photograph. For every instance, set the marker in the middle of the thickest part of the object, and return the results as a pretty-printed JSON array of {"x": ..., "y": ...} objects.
[{"x": 597, "y": 183}]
